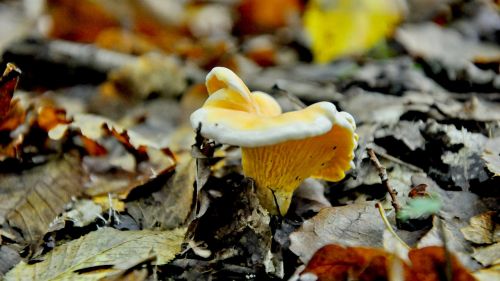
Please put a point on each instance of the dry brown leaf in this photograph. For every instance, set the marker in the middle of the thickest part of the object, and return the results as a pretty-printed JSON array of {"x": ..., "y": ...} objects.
[
  {"x": 353, "y": 225},
  {"x": 8, "y": 84},
  {"x": 33, "y": 199},
  {"x": 489, "y": 255},
  {"x": 434, "y": 42},
  {"x": 8, "y": 258},
  {"x": 488, "y": 274},
  {"x": 101, "y": 253},
  {"x": 491, "y": 155},
  {"x": 148, "y": 75},
  {"x": 170, "y": 206},
  {"x": 482, "y": 229}
]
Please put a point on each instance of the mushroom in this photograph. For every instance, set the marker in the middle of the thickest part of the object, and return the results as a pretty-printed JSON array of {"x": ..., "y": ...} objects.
[{"x": 279, "y": 150}]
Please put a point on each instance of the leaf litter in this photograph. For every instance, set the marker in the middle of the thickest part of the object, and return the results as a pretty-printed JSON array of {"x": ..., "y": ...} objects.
[{"x": 95, "y": 145}]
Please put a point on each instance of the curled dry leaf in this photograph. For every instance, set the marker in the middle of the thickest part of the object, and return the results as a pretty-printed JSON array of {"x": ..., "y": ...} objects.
[
  {"x": 8, "y": 83},
  {"x": 100, "y": 254}
]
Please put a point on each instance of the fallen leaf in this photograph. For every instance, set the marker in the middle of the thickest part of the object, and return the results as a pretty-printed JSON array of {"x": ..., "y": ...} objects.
[
  {"x": 434, "y": 42},
  {"x": 259, "y": 16},
  {"x": 429, "y": 263},
  {"x": 358, "y": 26},
  {"x": 8, "y": 259},
  {"x": 170, "y": 206},
  {"x": 79, "y": 22},
  {"x": 8, "y": 84},
  {"x": 464, "y": 164},
  {"x": 310, "y": 196},
  {"x": 94, "y": 255},
  {"x": 491, "y": 155},
  {"x": 82, "y": 213},
  {"x": 353, "y": 225},
  {"x": 333, "y": 262},
  {"x": 457, "y": 208},
  {"x": 487, "y": 255},
  {"x": 33, "y": 199},
  {"x": 488, "y": 274},
  {"x": 149, "y": 74},
  {"x": 482, "y": 229}
]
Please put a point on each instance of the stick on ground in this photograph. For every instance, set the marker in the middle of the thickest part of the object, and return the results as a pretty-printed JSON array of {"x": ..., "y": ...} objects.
[{"x": 382, "y": 173}]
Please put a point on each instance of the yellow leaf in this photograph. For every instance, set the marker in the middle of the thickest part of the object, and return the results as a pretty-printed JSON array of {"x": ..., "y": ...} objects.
[
  {"x": 342, "y": 27},
  {"x": 101, "y": 253}
]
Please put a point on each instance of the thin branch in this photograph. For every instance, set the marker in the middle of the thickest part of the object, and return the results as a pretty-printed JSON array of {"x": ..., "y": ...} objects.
[
  {"x": 382, "y": 173},
  {"x": 276, "y": 203},
  {"x": 388, "y": 225},
  {"x": 447, "y": 255}
]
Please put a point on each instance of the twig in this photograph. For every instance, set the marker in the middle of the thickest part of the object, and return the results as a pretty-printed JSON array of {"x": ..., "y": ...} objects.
[
  {"x": 388, "y": 225},
  {"x": 382, "y": 173},
  {"x": 447, "y": 256}
]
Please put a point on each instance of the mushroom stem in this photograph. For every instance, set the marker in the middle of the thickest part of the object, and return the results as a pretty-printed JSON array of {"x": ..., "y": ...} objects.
[{"x": 280, "y": 168}]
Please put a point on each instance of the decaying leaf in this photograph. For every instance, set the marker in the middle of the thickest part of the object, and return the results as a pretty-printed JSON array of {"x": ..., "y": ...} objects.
[
  {"x": 352, "y": 225},
  {"x": 148, "y": 75},
  {"x": 258, "y": 16},
  {"x": 310, "y": 196},
  {"x": 491, "y": 155},
  {"x": 101, "y": 253},
  {"x": 334, "y": 262},
  {"x": 33, "y": 199},
  {"x": 8, "y": 83},
  {"x": 8, "y": 258},
  {"x": 434, "y": 42},
  {"x": 488, "y": 255},
  {"x": 430, "y": 263},
  {"x": 170, "y": 206},
  {"x": 82, "y": 213},
  {"x": 488, "y": 274},
  {"x": 482, "y": 229}
]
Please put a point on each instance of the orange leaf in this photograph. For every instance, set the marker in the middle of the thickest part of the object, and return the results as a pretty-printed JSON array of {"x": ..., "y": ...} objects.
[
  {"x": 49, "y": 117},
  {"x": 8, "y": 83},
  {"x": 334, "y": 262},
  {"x": 80, "y": 21},
  {"x": 429, "y": 264},
  {"x": 258, "y": 15}
]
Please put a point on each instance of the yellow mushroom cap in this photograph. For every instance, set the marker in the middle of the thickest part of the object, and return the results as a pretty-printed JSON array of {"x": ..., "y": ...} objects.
[{"x": 279, "y": 150}]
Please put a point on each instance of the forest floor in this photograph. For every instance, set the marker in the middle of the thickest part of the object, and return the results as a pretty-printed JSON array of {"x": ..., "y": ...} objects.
[{"x": 102, "y": 176}]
